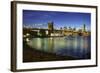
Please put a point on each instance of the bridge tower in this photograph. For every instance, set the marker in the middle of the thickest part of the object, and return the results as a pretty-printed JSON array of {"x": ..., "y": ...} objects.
[{"x": 50, "y": 27}]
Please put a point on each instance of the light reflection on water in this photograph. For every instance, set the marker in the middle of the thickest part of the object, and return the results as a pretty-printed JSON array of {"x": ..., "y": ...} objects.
[{"x": 77, "y": 47}]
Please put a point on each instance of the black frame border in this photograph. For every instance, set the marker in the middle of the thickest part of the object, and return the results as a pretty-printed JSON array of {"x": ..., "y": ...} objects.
[{"x": 14, "y": 38}]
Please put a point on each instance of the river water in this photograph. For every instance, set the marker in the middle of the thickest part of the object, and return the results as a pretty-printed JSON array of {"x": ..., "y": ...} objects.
[{"x": 78, "y": 47}]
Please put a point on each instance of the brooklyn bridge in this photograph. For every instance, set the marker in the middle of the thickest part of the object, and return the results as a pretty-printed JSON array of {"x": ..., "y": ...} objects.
[{"x": 53, "y": 32}]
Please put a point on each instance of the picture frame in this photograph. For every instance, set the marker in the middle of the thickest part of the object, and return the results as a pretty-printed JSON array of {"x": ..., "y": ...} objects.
[{"x": 23, "y": 59}]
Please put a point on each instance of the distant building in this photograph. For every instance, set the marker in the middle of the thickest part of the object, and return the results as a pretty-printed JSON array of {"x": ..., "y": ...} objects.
[{"x": 84, "y": 28}]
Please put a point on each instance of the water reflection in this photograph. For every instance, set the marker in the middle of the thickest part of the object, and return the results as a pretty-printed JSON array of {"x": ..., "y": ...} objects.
[{"x": 77, "y": 46}]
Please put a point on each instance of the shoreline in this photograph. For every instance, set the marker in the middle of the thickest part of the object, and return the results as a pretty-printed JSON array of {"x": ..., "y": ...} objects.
[{"x": 33, "y": 55}]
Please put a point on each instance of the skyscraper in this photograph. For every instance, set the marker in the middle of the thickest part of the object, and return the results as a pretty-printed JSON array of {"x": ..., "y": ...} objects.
[{"x": 84, "y": 28}]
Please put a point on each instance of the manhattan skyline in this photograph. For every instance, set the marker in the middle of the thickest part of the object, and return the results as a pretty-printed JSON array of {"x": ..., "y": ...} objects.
[{"x": 40, "y": 19}]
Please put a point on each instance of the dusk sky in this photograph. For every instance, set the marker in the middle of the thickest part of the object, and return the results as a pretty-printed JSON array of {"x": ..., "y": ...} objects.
[{"x": 61, "y": 19}]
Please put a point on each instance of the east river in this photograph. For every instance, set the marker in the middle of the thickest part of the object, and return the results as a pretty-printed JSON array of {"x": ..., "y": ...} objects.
[{"x": 78, "y": 47}]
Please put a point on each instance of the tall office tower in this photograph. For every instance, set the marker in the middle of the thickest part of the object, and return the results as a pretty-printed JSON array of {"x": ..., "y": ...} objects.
[{"x": 84, "y": 28}]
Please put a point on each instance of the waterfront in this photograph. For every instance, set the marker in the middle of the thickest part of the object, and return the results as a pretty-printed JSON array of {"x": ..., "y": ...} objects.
[
  {"x": 77, "y": 46},
  {"x": 54, "y": 35}
]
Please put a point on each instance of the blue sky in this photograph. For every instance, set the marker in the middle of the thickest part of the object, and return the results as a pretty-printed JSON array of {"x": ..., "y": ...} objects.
[{"x": 61, "y": 19}]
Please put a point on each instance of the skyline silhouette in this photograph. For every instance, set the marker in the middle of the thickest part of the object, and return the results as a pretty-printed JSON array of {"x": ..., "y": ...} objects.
[{"x": 40, "y": 19}]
